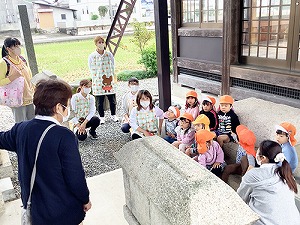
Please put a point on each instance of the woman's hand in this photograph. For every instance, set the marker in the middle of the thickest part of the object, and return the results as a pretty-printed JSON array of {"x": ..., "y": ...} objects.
[
  {"x": 81, "y": 129},
  {"x": 216, "y": 165},
  {"x": 87, "y": 206}
]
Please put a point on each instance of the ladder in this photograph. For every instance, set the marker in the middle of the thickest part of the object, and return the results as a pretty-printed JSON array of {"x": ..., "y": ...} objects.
[{"x": 119, "y": 25}]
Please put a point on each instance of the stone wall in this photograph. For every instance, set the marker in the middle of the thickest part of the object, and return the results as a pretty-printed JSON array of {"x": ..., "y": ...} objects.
[{"x": 164, "y": 186}]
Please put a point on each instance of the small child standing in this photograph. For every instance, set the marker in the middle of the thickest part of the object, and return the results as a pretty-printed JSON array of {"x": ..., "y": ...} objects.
[
  {"x": 171, "y": 123},
  {"x": 245, "y": 157},
  {"x": 192, "y": 104},
  {"x": 128, "y": 102},
  {"x": 185, "y": 132},
  {"x": 285, "y": 136},
  {"x": 83, "y": 105},
  {"x": 145, "y": 119},
  {"x": 227, "y": 119},
  {"x": 208, "y": 103},
  {"x": 201, "y": 122},
  {"x": 211, "y": 154}
]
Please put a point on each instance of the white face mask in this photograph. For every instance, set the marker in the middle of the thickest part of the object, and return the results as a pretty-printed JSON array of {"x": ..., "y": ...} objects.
[
  {"x": 145, "y": 104},
  {"x": 101, "y": 46},
  {"x": 258, "y": 159},
  {"x": 65, "y": 118},
  {"x": 87, "y": 90},
  {"x": 134, "y": 88}
]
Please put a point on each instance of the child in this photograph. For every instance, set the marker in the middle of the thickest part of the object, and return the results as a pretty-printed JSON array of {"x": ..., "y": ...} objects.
[
  {"x": 208, "y": 103},
  {"x": 245, "y": 158},
  {"x": 211, "y": 154},
  {"x": 285, "y": 136},
  {"x": 83, "y": 105},
  {"x": 228, "y": 120},
  {"x": 201, "y": 122},
  {"x": 102, "y": 70},
  {"x": 270, "y": 189},
  {"x": 144, "y": 117},
  {"x": 192, "y": 104},
  {"x": 171, "y": 123},
  {"x": 128, "y": 102},
  {"x": 185, "y": 132}
]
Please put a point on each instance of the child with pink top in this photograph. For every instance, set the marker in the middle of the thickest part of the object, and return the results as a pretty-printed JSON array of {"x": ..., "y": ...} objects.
[
  {"x": 211, "y": 154},
  {"x": 192, "y": 104},
  {"x": 185, "y": 132}
]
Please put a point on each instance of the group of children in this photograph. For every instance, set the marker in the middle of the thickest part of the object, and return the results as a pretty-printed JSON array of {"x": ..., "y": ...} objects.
[{"x": 201, "y": 131}]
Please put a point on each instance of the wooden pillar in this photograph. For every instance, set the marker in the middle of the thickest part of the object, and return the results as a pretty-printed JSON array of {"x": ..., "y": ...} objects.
[
  {"x": 27, "y": 37},
  {"x": 231, "y": 40},
  {"x": 175, "y": 24},
  {"x": 162, "y": 53}
]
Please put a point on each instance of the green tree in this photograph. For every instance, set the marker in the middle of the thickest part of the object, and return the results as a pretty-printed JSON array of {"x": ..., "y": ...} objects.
[
  {"x": 102, "y": 11},
  {"x": 141, "y": 36}
]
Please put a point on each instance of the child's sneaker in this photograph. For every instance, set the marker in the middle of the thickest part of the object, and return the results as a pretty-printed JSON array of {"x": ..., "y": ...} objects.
[
  {"x": 93, "y": 135},
  {"x": 102, "y": 120},
  {"x": 115, "y": 118}
]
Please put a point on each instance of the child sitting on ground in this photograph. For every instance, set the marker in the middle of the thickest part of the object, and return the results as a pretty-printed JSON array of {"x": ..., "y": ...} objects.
[
  {"x": 128, "y": 102},
  {"x": 245, "y": 157},
  {"x": 227, "y": 119},
  {"x": 285, "y": 136},
  {"x": 192, "y": 104},
  {"x": 185, "y": 132},
  {"x": 211, "y": 154},
  {"x": 145, "y": 119},
  {"x": 208, "y": 103},
  {"x": 201, "y": 122},
  {"x": 171, "y": 123}
]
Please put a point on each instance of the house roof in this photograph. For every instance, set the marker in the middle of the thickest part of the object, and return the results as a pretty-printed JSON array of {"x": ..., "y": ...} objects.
[{"x": 50, "y": 5}]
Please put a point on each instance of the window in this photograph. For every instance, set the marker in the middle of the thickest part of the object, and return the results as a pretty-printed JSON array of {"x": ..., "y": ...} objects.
[
  {"x": 201, "y": 13},
  {"x": 63, "y": 16},
  {"x": 270, "y": 33}
]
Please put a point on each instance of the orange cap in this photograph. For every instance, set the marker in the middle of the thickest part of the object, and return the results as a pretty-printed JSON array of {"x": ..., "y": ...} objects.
[
  {"x": 202, "y": 119},
  {"x": 290, "y": 129},
  {"x": 202, "y": 136},
  {"x": 247, "y": 139},
  {"x": 175, "y": 110},
  {"x": 226, "y": 99},
  {"x": 210, "y": 99},
  {"x": 187, "y": 116},
  {"x": 191, "y": 94}
]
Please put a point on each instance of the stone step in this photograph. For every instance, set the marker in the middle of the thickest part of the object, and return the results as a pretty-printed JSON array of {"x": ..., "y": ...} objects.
[
  {"x": 6, "y": 169},
  {"x": 7, "y": 189},
  {"x": 1, "y": 204}
]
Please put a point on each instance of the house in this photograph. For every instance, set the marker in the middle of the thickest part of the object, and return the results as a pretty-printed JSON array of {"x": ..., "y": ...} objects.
[
  {"x": 51, "y": 16},
  {"x": 253, "y": 51}
]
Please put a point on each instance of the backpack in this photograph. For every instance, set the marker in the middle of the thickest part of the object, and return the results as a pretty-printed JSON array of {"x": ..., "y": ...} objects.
[{"x": 8, "y": 65}]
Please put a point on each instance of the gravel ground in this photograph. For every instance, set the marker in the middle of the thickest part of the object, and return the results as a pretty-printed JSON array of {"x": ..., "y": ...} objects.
[{"x": 97, "y": 155}]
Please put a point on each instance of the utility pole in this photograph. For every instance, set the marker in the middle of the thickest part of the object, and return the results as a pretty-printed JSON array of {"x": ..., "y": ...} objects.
[{"x": 110, "y": 11}]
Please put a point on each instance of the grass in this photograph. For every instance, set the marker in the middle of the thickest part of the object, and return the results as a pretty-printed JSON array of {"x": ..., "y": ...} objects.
[{"x": 68, "y": 60}]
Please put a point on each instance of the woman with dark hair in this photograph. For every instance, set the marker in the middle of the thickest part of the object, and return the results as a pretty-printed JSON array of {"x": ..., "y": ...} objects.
[
  {"x": 145, "y": 119},
  {"x": 60, "y": 195},
  {"x": 13, "y": 66},
  {"x": 270, "y": 190}
]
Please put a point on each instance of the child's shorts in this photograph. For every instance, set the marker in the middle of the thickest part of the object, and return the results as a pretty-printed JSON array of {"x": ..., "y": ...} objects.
[{"x": 231, "y": 139}]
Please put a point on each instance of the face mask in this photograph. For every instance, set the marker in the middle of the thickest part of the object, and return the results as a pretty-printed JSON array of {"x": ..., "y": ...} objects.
[
  {"x": 17, "y": 51},
  {"x": 134, "y": 88},
  {"x": 258, "y": 160},
  {"x": 65, "y": 118},
  {"x": 87, "y": 90},
  {"x": 145, "y": 104},
  {"x": 101, "y": 46}
]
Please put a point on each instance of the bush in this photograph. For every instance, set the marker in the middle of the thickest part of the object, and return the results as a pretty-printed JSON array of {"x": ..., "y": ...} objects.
[
  {"x": 94, "y": 17},
  {"x": 139, "y": 74},
  {"x": 150, "y": 62}
]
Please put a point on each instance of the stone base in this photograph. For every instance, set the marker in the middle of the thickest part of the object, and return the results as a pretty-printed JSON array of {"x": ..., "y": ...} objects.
[
  {"x": 7, "y": 189},
  {"x": 129, "y": 216},
  {"x": 6, "y": 169}
]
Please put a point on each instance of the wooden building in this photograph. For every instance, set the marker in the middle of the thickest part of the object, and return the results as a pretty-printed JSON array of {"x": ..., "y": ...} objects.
[{"x": 246, "y": 48}]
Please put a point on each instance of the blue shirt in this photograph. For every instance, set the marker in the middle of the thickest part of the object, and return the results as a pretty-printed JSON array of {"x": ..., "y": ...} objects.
[
  {"x": 290, "y": 154},
  {"x": 60, "y": 188}
]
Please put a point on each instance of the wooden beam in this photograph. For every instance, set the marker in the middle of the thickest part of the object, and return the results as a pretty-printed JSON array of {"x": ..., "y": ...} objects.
[{"x": 162, "y": 53}]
